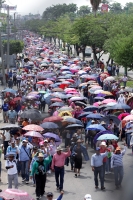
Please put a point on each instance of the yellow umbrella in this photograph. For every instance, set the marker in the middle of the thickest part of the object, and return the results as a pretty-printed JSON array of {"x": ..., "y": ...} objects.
[
  {"x": 65, "y": 113},
  {"x": 106, "y": 92}
]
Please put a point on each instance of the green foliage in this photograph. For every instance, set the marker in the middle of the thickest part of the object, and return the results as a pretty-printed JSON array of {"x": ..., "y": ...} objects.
[
  {"x": 83, "y": 10},
  {"x": 116, "y": 7},
  {"x": 34, "y": 25},
  {"x": 16, "y": 46}
]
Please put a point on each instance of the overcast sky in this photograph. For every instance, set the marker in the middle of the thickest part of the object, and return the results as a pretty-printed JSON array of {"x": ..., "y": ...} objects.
[{"x": 38, "y": 6}]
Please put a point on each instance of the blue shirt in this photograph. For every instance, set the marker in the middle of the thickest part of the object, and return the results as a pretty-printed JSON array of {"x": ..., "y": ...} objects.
[
  {"x": 5, "y": 107},
  {"x": 12, "y": 114},
  {"x": 25, "y": 153},
  {"x": 12, "y": 149},
  {"x": 97, "y": 160}
]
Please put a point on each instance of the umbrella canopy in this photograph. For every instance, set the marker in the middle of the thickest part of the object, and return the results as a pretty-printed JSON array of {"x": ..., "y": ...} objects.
[
  {"x": 57, "y": 104},
  {"x": 10, "y": 90},
  {"x": 122, "y": 115},
  {"x": 96, "y": 127},
  {"x": 56, "y": 100},
  {"x": 120, "y": 107},
  {"x": 101, "y": 133},
  {"x": 65, "y": 108},
  {"x": 128, "y": 118},
  {"x": 74, "y": 126},
  {"x": 33, "y": 127},
  {"x": 84, "y": 114},
  {"x": 90, "y": 108},
  {"x": 72, "y": 120},
  {"x": 33, "y": 134},
  {"x": 53, "y": 119},
  {"x": 17, "y": 99},
  {"x": 80, "y": 103},
  {"x": 15, "y": 194},
  {"x": 52, "y": 135},
  {"x": 49, "y": 125},
  {"x": 94, "y": 116},
  {"x": 107, "y": 137},
  {"x": 109, "y": 117},
  {"x": 77, "y": 98},
  {"x": 45, "y": 82},
  {"x": 32, "y": 114},
  {"x": 9, "y": 126},
  {"x": 106, "y": 101},
  {"x": 57, "y": 90}
]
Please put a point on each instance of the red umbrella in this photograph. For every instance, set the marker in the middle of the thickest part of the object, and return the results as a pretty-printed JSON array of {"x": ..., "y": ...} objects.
[
  {"x": 53, "y": 119},
  {"x": 122, "y": 115},
  {"x": 33, "y": 127},
  {"x": 15, "y": 194},
  {"x": 70, "y": 80},
  {"x": 17, "y": 99},
  {"x": 56, "y": 100},
  {"x": 33, "y": 134},
  {"x": 45, "y": 82}
]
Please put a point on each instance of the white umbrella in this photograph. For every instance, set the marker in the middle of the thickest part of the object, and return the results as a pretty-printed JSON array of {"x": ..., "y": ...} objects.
[
  {"x": 110, "y": 78},
  {"x": 98, "y": 91}
]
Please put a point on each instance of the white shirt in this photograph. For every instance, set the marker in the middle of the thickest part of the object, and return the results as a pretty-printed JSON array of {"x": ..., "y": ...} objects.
[
  {"x": 13, "y": 170},
  {"x": 7, "y": 136},
  {"x": 19, "y": 77}
]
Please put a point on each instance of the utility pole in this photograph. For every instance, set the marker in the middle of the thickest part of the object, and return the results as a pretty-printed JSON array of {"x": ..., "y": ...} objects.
[
  {"x": 15, "y": 25},
  {"x": 8, "y": 35}
]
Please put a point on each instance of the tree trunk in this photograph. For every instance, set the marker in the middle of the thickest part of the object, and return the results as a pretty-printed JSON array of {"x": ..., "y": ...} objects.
[
  {"x": 108, "y": 61},
  {"x": 125, "y": 70}
]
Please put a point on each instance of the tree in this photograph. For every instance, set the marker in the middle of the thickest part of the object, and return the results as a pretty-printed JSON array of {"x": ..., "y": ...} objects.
[
  {"x": 84, "y": 10},
  {"x": 16, "y": 46},
  {"x": 95, "y": 5},
  {"x": 116, "y": 7},
  {"x": 34, "y": 25},
  {"x": 128, "y": 8}
]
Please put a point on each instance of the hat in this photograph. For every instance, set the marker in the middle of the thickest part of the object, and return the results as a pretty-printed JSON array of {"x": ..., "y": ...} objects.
[
  {"x": 49, "y": 194},
  {"x": 97, "y": 148},
  {"x": 103, "y": 144},
  {"x": 87, "y": 197},
  {"x": 25, "y": 140},
  {"x": 59, "y": 149},
  {"x": 41, "y": 155},
  {"x": 103, "y": 122},
  {"x": 92, "y": 121},
  {"x": 45, "y": 140}
]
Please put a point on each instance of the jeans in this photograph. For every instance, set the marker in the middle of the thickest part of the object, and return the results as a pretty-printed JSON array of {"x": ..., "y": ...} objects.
[
  {"x": 128, "y": 137},
  {"x": 40, "y": 184},
  {"x": 13, "y": 177},
  {"x": 108, "y": 164},
  {"x": 25, "y": 170},
  {"x": 104, "y": 168},
  {"x": 18, "y": 83},
  {"x": 132, "y": 149},
  {"x": 59, "y": 171},
  {"x": 5, "y": 146},
  {"x": 19, "y": 166},
  {"x": 98, "y": 171},
  {"x": 118, "y": 174}
]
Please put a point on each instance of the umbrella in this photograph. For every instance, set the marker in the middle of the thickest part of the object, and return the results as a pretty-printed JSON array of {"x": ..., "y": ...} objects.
[
  {"x": 72, "y": 120},
  {"x": 90, "y": 108},
  {"x": 99, "y": 98},
  {"x": 53, "y": 119},
  {"x": 33, "y": 127},
  {"x": 122, "y": 115},
  {"x": 94, "y": 116},
  {"x": 32, "y": 114},
  {"x": 78, "y": 98},
  {"x": 110, "y": 78},
  {"x": 52, "y": 135},
  {"x": 56, "y": 100},
  {"x": 74, "y": 126},
  {"x": 113, "y": 117},
  {"x": 60, "y": 95},
  {"x": 49, "y": 125},
  {"x": 65, "y": 108},
  {"x": 15, "y": 194},
  {"x": 106, "y": 101},
  {"x": 96, "y": 127},
  {"x": 57, "y": 90},
  {"x": 101, "y": 133},
  {"x": 9, "y": 126},
  {"x": 80, "y": 103},
  {"x": 57, "y": 104},
  {"x": 106, "y": 93},
  {"x": 120, "y": 107},
  {"x": 108, "y": 137},
  {"x": 17, "y": 99},
  {"x": 10, "y": 90},
  {"x": 128, "y": 118},
  {"x": 33, "y": 134},
  {"x": 45, "y": 82},
  {"x": 84, "y": 114}
]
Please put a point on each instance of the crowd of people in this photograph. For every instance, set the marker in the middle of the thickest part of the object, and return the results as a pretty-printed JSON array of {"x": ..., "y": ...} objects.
[{"x": 53, "y": 99}]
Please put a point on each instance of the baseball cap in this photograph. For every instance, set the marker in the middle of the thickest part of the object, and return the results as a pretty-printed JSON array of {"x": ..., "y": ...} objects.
[
  {"x": 49, "y": 194},
  {"x": 87, "y": 197}
]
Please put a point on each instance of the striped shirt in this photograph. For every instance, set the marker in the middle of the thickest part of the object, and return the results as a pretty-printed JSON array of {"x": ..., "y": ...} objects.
[{"x": 116, "y": 159}]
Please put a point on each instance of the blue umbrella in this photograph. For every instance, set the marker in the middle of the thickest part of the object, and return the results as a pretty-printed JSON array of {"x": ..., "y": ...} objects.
[
  {"x": 82, "y": 115},
  {"x": 10, "y": 90},
  {"x": 90, "y": 108},
  {"x": 119, "y": 106},
  {"x": 96, "y": 127},
  {"x": 73, "y": 120},
  {"x": 49, "y": 125},
  {"x": 95, "y": 116},
  {"x": 109, "y": 117},
  {"x": 101, "y": 133},
  {"x": 57, "y": 104},
  {"x": 108, "y": 137},
  {"x": 52, "y": 135}
]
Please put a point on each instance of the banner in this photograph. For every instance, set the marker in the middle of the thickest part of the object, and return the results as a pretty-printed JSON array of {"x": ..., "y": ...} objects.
[
  {"x": 6, "y": 7},
  {"x": 104, "y": 8}
]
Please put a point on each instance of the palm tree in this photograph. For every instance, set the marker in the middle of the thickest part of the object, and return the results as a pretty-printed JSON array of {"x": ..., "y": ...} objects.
[{"x": 95, "y": 5}]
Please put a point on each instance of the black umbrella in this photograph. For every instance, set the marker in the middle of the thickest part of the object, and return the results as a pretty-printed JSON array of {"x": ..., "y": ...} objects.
[
  {"x": 49, "y": 125},
  {"x": 80, "y": 103},
  {"x": 73, "y": 120},
  {"x": 90, "y": 108},
  {"x": 84, "y": 114},
  {"x": 32, "y": 114},
  {"x": 107, "y": 118},
  {"x": 9, "y": 126},
  {"x": 57, "y": 104},
  {"x": 120, "y": 106},
  {"x": 74, "y": 126}
]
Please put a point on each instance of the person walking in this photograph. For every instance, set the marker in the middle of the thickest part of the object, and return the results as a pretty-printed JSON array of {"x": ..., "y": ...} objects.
[
  {"x": 117, "y": 165},
  {"x": 5, "y": 108},
  {"x": 97, "y": 167},
  {"x": 13, "y": 148},
  {"x": 25, "y": 158},
  {"x": 12, "y": 115},
  {"x": 58, "y": 163},
  {"x": 6, "y": 139},
  {"x": 39, "y": 170},
  {"x": 11, "y": 167},
  {"x": 124, "y": 79}
]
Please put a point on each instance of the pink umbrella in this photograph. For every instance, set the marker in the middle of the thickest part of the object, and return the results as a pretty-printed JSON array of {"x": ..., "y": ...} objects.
[
  {"x": 70, "y": 89},
  {"x": 128, "y": 118},
  {"x": 108, "y": 101},
  {"x": 72, "y": 92},
  {"x": 33, "y": 127},
  {"x": 15, "y": 194},
  {"x": 55, "y": 113},
  {"x": 122, "y": 115},
  {"x": 33, "y": 134},
  {"x": 96, "y": 104}
]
